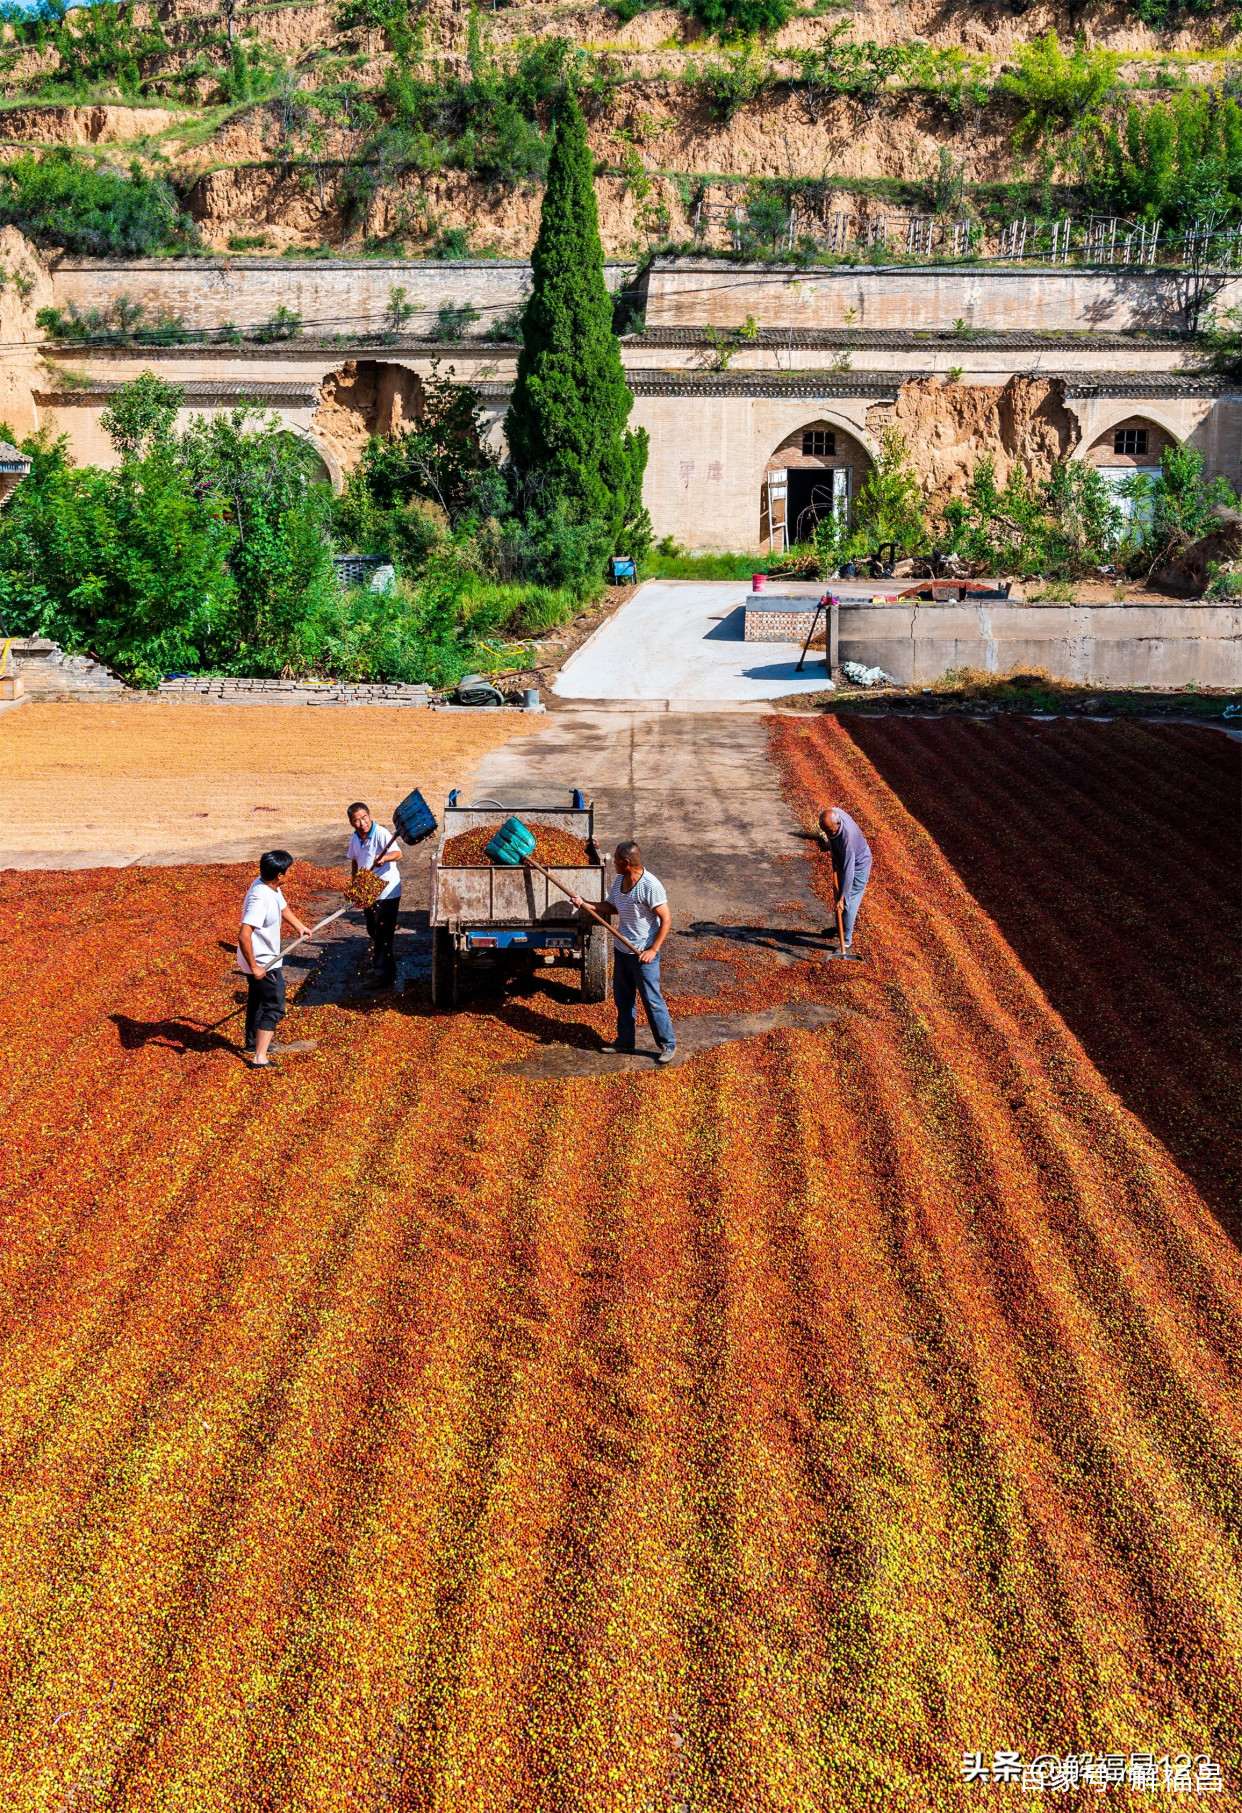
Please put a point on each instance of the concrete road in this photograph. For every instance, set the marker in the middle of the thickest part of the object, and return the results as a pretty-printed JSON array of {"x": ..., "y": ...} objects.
[
  {"x": 680, "y": 641},
  {"x": 698, "y": 792}
]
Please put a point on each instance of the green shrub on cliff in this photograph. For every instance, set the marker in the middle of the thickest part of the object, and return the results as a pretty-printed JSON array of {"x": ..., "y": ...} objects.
[
  {"x": 62, "y": 199},
  {"x": 1177, "y": 161},
  {"x": 889, "y": 505},
  {"x": 1053, "y": 90}
]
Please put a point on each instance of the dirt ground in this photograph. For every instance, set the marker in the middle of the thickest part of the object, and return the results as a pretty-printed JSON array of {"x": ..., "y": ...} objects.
[
  {"x": 421, "y": 1427},
  {"x": 139, "y": 781}
]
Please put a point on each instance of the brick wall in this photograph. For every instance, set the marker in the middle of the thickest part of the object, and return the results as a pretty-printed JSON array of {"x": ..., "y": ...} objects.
[{"x": 774, "y": 622}]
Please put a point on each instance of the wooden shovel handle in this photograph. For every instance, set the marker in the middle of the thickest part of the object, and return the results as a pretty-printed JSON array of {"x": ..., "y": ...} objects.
[
  {"x": 598, "y": 918},
  {"x": 315, "y": 928},
  {"x": 395, "y": 838},
  {"x": 836, "y": 901}
]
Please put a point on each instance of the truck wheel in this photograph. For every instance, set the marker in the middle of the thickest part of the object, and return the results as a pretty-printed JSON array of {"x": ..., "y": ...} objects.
[
  {"x": 443, "y": 968},
  {"x": 595, "y": 967}
]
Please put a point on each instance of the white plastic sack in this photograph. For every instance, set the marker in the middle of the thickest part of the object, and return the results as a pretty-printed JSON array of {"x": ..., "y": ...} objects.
[{"x": 866, "y": 676}]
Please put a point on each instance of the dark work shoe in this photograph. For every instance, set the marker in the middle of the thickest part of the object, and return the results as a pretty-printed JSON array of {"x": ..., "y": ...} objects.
[{"x": 612, "y": 1046}]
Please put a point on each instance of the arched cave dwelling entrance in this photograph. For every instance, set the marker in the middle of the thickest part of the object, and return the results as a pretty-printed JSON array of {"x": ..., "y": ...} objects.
[
  {"x": 823, "y": 466},
  {"x": 1133, "y": 445},
  {"x": 361, "y": 398}
]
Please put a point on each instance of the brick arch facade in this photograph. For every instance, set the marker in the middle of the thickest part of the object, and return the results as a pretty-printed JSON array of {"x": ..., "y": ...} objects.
[
  {"x": 1133, "y": 440},
  {"x": 818, "y": 445}
]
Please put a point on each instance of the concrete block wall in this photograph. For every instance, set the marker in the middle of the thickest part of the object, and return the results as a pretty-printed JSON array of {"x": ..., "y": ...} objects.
[
  {"x": 342, "y": 296},
  {"x": 1091, "y": 644},
  {"x": 687, "y": 292}
]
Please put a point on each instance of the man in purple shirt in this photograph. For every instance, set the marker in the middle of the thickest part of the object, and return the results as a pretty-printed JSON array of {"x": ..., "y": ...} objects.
[{"x": 851, "y": 862}]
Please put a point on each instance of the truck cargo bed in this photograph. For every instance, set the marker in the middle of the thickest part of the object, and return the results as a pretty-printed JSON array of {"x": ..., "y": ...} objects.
[{"x": 493, "y": 895}]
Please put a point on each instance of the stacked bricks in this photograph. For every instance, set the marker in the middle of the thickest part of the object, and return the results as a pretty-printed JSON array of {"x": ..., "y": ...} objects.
[
  {"x": 47, "y": 672},
  {"x": 771, "y": 618},
  {"x": 232, "y": 691}
]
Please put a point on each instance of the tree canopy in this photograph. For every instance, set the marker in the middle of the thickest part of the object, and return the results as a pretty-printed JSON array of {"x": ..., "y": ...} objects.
[{"x": 566, "y": 423}]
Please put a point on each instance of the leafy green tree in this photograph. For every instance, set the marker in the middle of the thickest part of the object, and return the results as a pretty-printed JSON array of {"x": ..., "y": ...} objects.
[
  {"x": 566, "y": 423},
  {"x": 1180, "y": 506},
  {"x": 858, "y": 69},
  {"x": 889, "y": 505},
  {"x": 743, "y": 18},
  {"x": 263, "y": 480},
  {"x": 1053, "y": 90},
  {"x": 732, "y": 82},
  {"x": 442, "y": 458},
  {"x": 1161, "y": 13},
  {"x": 208, "y": 548},
  {"x": 128, "y": 564},
  {"x": 1059, "y": 527},
  {"x": 1177, "y": 161}
]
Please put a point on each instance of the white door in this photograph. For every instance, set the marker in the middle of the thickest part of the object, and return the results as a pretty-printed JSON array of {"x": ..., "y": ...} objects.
[{"x": 1131, "y": 507}]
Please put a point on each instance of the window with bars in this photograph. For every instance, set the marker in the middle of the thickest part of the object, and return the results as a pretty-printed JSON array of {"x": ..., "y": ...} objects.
[
  {"x": 1132, "y": 441},
  {"x": 820, "y": 443}
]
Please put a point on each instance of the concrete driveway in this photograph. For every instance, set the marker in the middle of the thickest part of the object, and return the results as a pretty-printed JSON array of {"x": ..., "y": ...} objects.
[
  {"x": 702, "y": 796},
  {"x": 680, "y": 642}
]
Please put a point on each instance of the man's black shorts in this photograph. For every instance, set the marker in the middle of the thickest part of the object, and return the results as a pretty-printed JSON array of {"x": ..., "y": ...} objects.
[{"x": 265, "y": 1003}]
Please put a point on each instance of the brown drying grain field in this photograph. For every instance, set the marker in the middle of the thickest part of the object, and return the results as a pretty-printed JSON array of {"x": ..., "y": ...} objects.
[
  {"x": 142, "y": 778},
  {"x": 766, "y": 1434}
]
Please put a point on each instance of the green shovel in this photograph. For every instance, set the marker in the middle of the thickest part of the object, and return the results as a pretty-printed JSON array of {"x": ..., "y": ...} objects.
[{"x": 512, "y": 847}]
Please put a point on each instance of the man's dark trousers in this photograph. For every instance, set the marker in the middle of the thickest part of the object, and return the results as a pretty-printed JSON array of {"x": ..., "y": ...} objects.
[
  {"x": 265, "y": 1003},
  {"x": 382, "y": 926},
  {"x": 630, "y": 978}
]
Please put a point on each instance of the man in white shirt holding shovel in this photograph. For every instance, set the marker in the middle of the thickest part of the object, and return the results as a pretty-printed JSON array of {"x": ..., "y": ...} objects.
[
  {"x": 368, "y": 843},
  {"x": 258, "y": 953},
  {"x": 643, "y": 917}
]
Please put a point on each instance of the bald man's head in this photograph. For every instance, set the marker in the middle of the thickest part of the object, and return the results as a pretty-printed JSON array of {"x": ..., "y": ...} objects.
[{"x": 829, "y": 819}]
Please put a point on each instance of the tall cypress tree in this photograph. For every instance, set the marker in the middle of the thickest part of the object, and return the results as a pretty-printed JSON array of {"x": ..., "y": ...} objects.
[{"x": 566, "y": 421}]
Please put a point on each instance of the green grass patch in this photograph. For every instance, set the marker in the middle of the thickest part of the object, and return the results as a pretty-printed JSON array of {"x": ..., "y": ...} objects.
[{"x": 677, "y": 564}]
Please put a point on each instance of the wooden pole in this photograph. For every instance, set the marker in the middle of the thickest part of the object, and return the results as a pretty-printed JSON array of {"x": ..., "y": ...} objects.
[
  {"x": 597, "y": 917},
  {"x": 836, "y": 901}
]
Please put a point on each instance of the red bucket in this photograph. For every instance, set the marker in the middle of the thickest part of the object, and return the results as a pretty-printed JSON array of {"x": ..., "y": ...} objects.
[{"x": 758, "y": 581}]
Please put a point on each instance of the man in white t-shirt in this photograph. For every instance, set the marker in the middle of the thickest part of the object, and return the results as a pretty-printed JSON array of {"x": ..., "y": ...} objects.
[
  {"x": 367, "y": 844},
  {"x": 258, "y": 953},
  {"x": 643, "y": 916}
]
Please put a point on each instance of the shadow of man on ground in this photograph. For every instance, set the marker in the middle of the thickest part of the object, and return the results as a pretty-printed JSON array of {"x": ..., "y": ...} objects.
[
  {"x": 171, "y": 1035},
  {"x": 764, "y": 937}
]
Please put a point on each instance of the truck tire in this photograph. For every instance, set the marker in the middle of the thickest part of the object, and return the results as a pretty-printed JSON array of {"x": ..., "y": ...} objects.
[
  {"x": 443, "y": 968},
  {"x": 595, "y": 966}
]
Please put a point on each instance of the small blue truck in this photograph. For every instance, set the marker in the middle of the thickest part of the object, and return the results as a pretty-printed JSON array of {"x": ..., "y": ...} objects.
[{"x": 491, "y": 917}]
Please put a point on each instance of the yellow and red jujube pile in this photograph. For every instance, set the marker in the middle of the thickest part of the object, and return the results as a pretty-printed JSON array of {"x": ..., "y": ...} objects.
[
  {"x": 554, "y": 848},
  {"x": 365, "y": 888},
  {"x": 397, "y": 1432}
]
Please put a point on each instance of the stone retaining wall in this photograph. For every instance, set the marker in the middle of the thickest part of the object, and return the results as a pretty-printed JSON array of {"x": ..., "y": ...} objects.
[{"x": 686, "y": 292}]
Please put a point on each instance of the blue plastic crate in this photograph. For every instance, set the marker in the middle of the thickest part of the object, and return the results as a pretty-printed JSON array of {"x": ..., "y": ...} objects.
[{"x": 414, "y": 819}]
